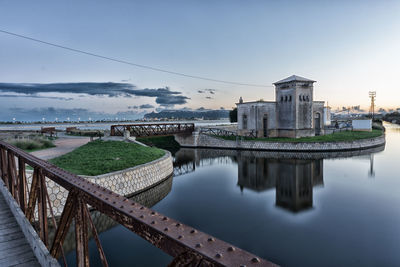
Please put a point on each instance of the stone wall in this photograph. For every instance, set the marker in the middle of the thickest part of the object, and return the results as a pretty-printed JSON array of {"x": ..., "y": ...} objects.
[
  {"x": 203, "y": 140},
  {"x": 126, "y": 182}
]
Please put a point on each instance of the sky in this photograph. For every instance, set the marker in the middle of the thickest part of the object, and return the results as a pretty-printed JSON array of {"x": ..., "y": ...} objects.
[{"x": 348, "y": 47}]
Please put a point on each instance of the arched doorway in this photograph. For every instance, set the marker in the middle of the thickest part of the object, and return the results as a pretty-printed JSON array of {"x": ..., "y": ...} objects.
[{"x": 317, "y": 123}]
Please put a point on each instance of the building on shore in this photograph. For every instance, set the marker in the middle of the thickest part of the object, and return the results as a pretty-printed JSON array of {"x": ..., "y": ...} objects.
[{"x": 294, "y": 113}]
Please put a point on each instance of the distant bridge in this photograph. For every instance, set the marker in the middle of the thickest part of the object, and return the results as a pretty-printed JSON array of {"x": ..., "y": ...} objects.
[{"x": 152, "y": 129}]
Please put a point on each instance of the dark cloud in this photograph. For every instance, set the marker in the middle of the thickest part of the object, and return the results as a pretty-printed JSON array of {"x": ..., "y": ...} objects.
[
  {"x": 164, "y": 96},
  {"x": 209, "y": 97},
  {"x": 110, "y": 89},
  {"x": 37, "y": 96},
  {"x": 210, "y": 91},
  {"x": 171, "y": 100},
  {"x": 133, "y": 107},
  {"x": 146, "y": 106}
]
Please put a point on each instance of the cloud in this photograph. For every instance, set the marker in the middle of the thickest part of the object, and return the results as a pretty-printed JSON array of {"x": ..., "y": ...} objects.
[
  {"x": 38, "y": 96},
  {"x": 210, "y": 91},
  {"x": 171, "y": 100},
  {"x": 110, "y": 89},
  {"x": 209, "y": 97},
  {"x": 146, "y": 106},
  {"x": 164, "y": 96}
]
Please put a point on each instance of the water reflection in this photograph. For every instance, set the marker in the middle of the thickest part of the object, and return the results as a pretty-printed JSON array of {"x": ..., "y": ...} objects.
[
  {"x": 292, "y": 175},
  {"x": 292, "y": 179}
]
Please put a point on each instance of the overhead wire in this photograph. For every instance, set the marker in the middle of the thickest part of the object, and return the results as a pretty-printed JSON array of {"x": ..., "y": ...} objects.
[{"x": 132, "y": 63}]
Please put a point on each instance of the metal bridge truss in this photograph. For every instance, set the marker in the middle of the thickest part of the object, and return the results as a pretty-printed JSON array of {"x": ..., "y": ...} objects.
[
  {"x": 223, "y": 132},
  {"x": 143, "y": 130},
  {"x": 188, "y": 246}
]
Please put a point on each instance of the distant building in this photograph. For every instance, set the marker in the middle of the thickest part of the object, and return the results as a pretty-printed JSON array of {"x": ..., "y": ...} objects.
[{"x": 294, "y": 113}]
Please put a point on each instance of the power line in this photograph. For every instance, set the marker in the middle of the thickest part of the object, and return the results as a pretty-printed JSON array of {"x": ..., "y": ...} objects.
[{"x": 131, "y": 63}]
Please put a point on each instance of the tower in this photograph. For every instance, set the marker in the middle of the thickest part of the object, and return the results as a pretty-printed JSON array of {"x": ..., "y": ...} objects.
[{"x": 294, "y": 106}]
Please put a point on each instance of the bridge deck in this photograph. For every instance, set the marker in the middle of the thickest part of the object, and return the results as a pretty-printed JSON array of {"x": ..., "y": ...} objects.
[{"x": 14, "y": 248}]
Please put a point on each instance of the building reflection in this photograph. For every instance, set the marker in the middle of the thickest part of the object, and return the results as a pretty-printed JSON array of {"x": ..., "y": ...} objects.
[{"x": 293, "y": 179}]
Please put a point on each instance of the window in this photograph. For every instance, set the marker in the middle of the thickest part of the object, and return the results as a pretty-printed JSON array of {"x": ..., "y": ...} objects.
[
  {"x": 308, "y": 99},
  {"x": 290, "y": 98},
  {"x": 304, "y": 98},
  {"x": 300, "y": 97},
  {"x": 244, "y": 122},
  {"x": 285, "y": 98},
  {"x": 281, "y": 98}
]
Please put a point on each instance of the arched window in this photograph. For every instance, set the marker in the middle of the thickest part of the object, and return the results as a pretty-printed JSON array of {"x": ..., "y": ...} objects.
[
  {"x": 290, "y": 98},
  {"x": 304, "y": 98},
  {"x": 285, "y": 98},
  {"x": 281, "y": 98},
  {"x": 308, "y": 99},
  {"x": 300, "y": 97}
]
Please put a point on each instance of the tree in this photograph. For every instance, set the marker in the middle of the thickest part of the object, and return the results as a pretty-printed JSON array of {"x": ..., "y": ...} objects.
[{"x": 233, "y": 115}]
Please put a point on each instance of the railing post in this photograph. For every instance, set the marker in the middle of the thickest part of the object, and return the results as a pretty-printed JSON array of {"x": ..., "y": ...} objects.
[
  {"x": 12, "y": 175},
  {"x": 42, "y": 209},
  {"x": 22, "y": 184},
  {"x": 81, "y": 235},
  {"x": 4, "y": 167}
]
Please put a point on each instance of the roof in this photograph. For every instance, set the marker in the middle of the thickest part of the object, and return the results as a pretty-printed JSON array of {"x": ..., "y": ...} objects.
[{"x": 294, "y": 78}]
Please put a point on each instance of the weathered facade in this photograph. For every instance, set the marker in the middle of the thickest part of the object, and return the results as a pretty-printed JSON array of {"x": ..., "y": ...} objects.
[{"x": 294, "y": 113}]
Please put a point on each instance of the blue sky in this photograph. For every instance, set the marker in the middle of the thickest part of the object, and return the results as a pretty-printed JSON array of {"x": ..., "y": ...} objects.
[{"x": 348, "y": 47}]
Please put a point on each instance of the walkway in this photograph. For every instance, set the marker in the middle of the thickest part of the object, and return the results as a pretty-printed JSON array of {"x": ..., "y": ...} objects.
[
  {"x": 64, "y": 145},
  {"x": 14, "y": 248}
]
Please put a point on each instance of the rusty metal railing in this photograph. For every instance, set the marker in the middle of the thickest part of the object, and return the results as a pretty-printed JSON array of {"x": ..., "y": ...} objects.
[
  {"x": 152, "y": 129},
  {"x": 188, "y": 246}
]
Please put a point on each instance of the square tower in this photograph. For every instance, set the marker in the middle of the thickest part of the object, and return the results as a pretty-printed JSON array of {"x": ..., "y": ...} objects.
[{"x": 294, "y": 106}]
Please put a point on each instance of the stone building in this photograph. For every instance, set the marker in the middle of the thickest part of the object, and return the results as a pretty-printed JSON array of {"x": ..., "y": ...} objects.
[{"x": 294, "y": 113}]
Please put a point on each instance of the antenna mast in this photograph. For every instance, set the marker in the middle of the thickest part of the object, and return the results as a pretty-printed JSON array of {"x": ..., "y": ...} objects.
[{"x": 372, "y": 95}]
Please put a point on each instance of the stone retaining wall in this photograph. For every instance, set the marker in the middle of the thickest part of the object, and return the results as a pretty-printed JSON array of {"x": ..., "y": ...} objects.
[
  {"x": 125, "y": 182},
  {"x": 207, "y": 141}
]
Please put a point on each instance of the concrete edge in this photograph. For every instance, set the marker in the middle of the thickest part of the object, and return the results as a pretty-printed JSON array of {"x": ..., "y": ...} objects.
[
  {"x": 39, "y": 249},
  {"x": 235, "y": 147}
]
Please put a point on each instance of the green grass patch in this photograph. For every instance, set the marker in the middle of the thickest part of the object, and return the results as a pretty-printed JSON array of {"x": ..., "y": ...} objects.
[
  {"x": 164, "y": 142},
  {"x": 99, "y": 157},
  {"x": 34, "y": 144},
  {"x": 335, "y": 137}
]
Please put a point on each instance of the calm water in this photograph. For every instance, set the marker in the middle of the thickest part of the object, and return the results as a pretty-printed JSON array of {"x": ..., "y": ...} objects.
[{"x": 293, "y": 209}]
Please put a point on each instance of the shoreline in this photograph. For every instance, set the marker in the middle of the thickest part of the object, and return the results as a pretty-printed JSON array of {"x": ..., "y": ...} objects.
[{"x": 197, "y": 140}]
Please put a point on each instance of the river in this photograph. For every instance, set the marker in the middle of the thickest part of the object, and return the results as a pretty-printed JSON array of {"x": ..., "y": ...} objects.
[{"x": 309, "y": 209}]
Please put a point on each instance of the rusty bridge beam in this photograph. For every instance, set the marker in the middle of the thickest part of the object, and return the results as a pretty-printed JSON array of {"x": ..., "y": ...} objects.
[{"x": 178, "y": 240}]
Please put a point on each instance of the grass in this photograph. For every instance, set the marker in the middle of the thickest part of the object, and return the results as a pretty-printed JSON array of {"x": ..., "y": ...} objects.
[
  {"x": 335, "y": 137},
  {"x": 99, "y": 157},
  {"x": 164, "y": 142},
  {"x": 34, "y": 144}
]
